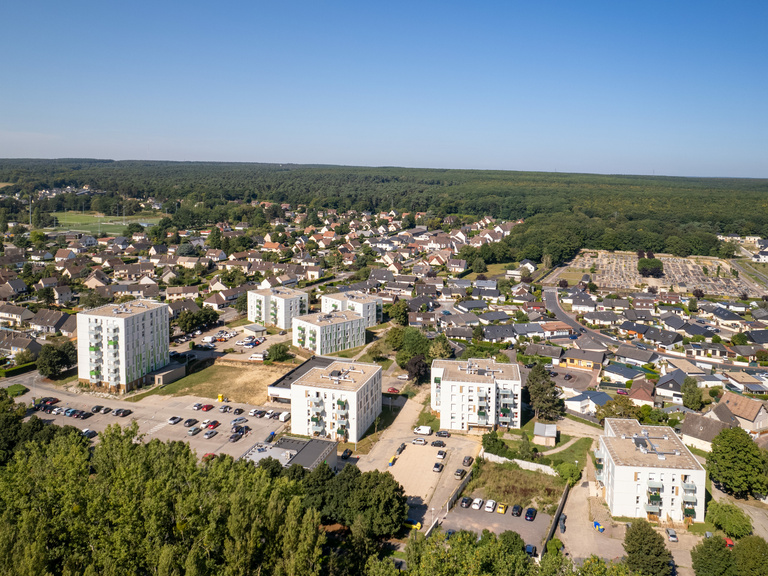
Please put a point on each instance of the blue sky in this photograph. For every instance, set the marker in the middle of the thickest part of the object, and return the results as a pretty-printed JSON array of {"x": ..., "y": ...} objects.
[{"x": 677, "y": 88}]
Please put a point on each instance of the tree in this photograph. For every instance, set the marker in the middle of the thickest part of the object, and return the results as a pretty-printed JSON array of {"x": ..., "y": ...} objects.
[
  {"x": 736, "y": 463},
  {"x": 739, "y": 339},
  {"x": 750, "y": 556},
  {"x": 545, "y": 398},
  {"x": 241, "y": 304},
  {"x": 569, "y": 472},
  {"x": 711, "y": 558},
  {"x": 729, "y": 518},
  {"x": 417, "y": 368},
  {"x": 479, "y": 266},
  {"x": 399, "y": 312},
  {"x": 693, "y": 305},
  {"x": 691, "y": 393},
  {"x": 698, "y": 293},
  {"x": 440, "y": 347},
  {"x": 621, "y": 407},
  {"x": 650, "y": 267},
  {"x": 52, "y": 360},
  {"x": 646, "y": 552},
  {"x": 46, "y": 296},
  {"x": 278, "y": 352}
]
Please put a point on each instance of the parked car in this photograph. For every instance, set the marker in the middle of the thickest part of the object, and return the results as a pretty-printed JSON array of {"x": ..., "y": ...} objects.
[
  {"x": 89, "y": 433},
  {"x": 225, "y": 408},
  {"x": 530, "y": 549},
  {"x": 346, "y": 454},
  {"x": 477, "y": 503},
  {"x": 400, "y": 449},
  {"x": 443, "y": 434},
  {"x": 207, "y": 407},
  {"x": 441, "y": 454},
  {"x": 235, "y": 437},
  {"x": 438, "y": 467},
  {"x": 490, "y": 506},
  {"x": 269, "y": 413},
  {"x": 213, "y": 425},
  {"x": 530, "y": 514},
  {"x": 567, "y": 377},
  {"x": 622, "y": 391},
  {"x": 419, "y": 441},
  {"x": 392, "y": 390},
  {"x": 459, "y": 474},
  {"x": 467, "y": 461},
  {"x": 501, "y": 509},
  {"x": 189, "y": 422},
  {"x": 238, "y": 411},
  {"x": 96, "y": 409},
  {"x": 106, "y": 410},
  {"x": 209, "y": 434},
  {"x": 126, "y": 412},
  {"x": 671, "y": 535},
  {"x": 466, "y": 502},
  {"x": 194, "y": 430},
  {"x": 174, "y": 420},
  {"x": 438, "y": 443},
  {"x": 197, "y": 406},
  {"x": 239, "y": 420},
  {"x": 117, "y": 412}
]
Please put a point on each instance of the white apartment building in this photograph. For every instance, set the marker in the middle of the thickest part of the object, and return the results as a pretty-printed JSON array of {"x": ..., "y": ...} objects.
[
  {"x": 366, "y": 305},
  {"x": 276, "y": 306},
  {"x": 340, "y": 401},
  {"x": 119, "y": 344},
  {"x": 329, "y": 333},
  {"x": 476, "y": 393},
  {"x": 647, "y": 472}
]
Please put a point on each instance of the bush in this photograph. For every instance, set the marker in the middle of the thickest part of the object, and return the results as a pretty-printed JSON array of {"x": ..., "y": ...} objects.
[
  {"x": 6, "y": 373},
  {"x": 730, "y": 519},
  {"x": 16, "y": 390},
  {"x": 569, "y": 472}
]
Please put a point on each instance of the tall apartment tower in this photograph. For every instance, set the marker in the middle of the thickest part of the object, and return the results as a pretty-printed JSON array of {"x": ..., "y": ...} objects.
[
  {"x": 119, "y": 344},
  {"x": 277, "y": 306}
]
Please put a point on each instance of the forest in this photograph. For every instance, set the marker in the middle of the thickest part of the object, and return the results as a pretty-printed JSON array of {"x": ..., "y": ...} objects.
[{"x": 562, "y": 212}]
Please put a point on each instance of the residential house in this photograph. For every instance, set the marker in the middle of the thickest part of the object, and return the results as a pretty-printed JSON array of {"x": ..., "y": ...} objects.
[
  {"x": 48, "y": 321},
  {"x": 583, "y": 359},
  {"x": 699, "y": 431},
  {"x": 587, "y": 402}
]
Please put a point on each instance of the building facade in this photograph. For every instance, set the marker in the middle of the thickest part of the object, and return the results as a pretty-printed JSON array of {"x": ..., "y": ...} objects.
[
  {"x": 647, "y": 472},
  {"x": 329, "y": 333},
  {"x": 477, "y": 393},
  {"x": 119, "y": 344},
  {"x": 366, "y": 305},
  {"x": 276, "y": 306},
  {"x": 340, "y": 401}
]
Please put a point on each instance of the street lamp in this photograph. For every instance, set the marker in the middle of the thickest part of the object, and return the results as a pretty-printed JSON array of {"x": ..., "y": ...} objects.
[{"x": 433, "y": 516}]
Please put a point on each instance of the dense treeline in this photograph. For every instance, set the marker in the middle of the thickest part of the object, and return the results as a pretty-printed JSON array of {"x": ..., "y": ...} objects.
[{"x": 563, "y": 211}]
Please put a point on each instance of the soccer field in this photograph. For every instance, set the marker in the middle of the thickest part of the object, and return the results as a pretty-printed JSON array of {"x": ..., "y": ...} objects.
[{"x": 98, "y": 224}]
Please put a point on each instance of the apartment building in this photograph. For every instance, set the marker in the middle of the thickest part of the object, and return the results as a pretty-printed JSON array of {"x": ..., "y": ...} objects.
[
  {"x": 366, "y": 305},
  {"x": 329, "y": 333},
  {"x": 339, "y": 401},
  {"x": 476, "y": 393},
  {"x": 119, "y": 344},
  {"x": 647, "y": 472},
  {"x": 276, "y": 306}
]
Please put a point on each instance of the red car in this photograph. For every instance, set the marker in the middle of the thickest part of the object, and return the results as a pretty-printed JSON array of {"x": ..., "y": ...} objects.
[
  {"x": 393, "y": 390},
  {"x": 214, "y": 424},
  {"x": 207, "y": 407}
]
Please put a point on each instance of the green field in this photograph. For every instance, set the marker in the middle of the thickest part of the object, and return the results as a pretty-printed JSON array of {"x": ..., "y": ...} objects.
[{"x": 108, "y": 225}]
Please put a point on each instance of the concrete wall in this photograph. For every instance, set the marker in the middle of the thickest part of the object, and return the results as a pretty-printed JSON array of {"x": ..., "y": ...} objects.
[{"x": 524, "y": 464}]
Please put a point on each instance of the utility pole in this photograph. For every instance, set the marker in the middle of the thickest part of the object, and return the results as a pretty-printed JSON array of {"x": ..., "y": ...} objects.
[{"x": 30, "y": 209}]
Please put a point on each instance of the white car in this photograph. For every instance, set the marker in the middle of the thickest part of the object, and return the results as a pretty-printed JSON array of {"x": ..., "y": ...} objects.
[
  {"x": 477, "y": 503},
  {"x": 253, "y": 411},
  {"x": 490, "y": 506},
  {"x": 441, "y": 454},
  {"x": 256, "y": 357},
  {"x": 249, "y": 338},
  {"x": 204, "y": 423},
  {"x": 240, "y": 343},
  {"x": 269, "y": 414}
]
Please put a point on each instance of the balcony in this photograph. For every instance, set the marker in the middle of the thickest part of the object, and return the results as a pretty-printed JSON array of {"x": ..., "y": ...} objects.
[
  {"x": 689, "y": 498},
  {"x": 599, "y": 476},
  {"x": 342, "y": 421},
  {"x": 653, "y": 484},
  {"x": 315, "y": 401},
  {"x": 316, "y": 428},
  {"x": 652, "y": 509},
  {"x": 654, "y": 498},
  {"x": 341, "y": 412},
  {"x": 689, "y": 487},
  {"x": 483, "y": 401},
  {"x": 505, "y": 419}
]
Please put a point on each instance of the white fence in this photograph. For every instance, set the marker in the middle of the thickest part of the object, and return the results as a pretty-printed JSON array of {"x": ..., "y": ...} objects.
[{"x": 524, "y": 464}]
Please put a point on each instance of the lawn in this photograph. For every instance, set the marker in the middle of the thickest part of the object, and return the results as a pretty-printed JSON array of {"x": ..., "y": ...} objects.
[
  {"x": 239, "y": 322},
  {"x": 426, "y": 418},
  {"x": 373, "y": 433},
  {"x": 583, "y": 421},
  {"x": 100, "y": 225},
  {"x": 247, "y": 384},
  {"x": 351, "y": 353},
  {"x": 386, "y": 363},
  {"x": 493, "y": 270},
  {"x": 511, "y": 484}
]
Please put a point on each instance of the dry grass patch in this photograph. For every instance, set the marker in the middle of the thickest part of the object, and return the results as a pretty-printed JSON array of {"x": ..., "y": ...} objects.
[{"x": 511, "y": 484}]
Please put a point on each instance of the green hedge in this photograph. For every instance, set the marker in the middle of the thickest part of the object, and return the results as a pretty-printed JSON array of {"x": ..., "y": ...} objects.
[
  {"x": 16, "y": 390},
  {"x": 7, "y": 372}
]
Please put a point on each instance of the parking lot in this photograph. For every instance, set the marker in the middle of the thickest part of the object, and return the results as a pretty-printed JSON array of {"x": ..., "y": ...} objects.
[
  {"x": 152, "y": 415},
  {"x": 478, "y": 520}
]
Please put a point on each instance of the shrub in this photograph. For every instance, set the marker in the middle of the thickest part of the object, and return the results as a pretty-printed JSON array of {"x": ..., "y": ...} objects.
[
  {"x": 16, "y": 390},
  {"x": 569, "y": 472}
]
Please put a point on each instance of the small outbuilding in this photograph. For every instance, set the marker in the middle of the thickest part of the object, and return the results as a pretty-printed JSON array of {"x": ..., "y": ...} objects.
[{"x": 545, "y": 434}]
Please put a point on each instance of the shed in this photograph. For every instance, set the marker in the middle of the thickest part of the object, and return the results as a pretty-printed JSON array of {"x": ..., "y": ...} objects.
[{"x": 545, "y": 434}]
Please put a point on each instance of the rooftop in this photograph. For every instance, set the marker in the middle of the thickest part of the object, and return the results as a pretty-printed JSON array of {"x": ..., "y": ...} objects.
[
  {"x": 346, "y": 376},
  {"x": 132, "y": 308},
  {"x": 289, "y": 451},
  {"x": 353, "y": 295},
  {"x": 481, "y": 370},
  {"x": 632, "y": 444},
  {"x": 330, "y": 318},
  {"x": 280, "y": 292}
]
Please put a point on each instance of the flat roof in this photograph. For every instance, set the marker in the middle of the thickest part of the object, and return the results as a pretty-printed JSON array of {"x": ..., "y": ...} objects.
[
  {"x": 286, "y": 380},
  {"x": 347, "y": 376},
  {"x": 132, "y": 308},
  {"x": 632, "y": 444},
  {"x": 289, "y": 451},
  {"x": 481, "y": 370},
  {"x": 329, "y": 318},
  {"x": 353, "y": 295},
  {"x": 280, "y": 292}
]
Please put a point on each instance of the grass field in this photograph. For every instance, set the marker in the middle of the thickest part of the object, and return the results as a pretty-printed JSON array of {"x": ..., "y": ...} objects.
[
  {"x": 91, "y": 223},
  {"x": 511, "y": 484},
  {"x": 493, "y": 271},
  {"x": 247, "y": 384}
]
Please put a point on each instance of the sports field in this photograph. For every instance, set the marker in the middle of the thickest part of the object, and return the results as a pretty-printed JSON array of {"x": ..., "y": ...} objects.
[{"x": 99, "y": 224}]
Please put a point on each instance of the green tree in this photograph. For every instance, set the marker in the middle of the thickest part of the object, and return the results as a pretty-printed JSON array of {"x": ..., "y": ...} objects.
[
  {"x": 479, "y": 266},
  {"x": 545, "y": 398},
  {"x": 241, "y": 304},
  {"x": 569, "y": 472},
  {"x": 736, "y": 463},
  {"x": 739, "y": 339},
  {"x": 621, "y": 407},
  {"x": 750, "y": 556},
  {"x": 399, "y": 312},
  {"x": 650, "y": 267},
  {"x": 729, "y": 518},
  {"x": 52, "y": 360},
  {"x": 691, "y": 394},
  {"x": 440, "y": 347},
  {"x": 711, "y": 558},
  {"x": 46, "y": 296},
  {"x": 646, "y": 552},
  {"x": 278, "y": 352}
]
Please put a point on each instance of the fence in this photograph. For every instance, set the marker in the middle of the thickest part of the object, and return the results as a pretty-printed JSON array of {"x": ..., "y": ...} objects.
[
  {"x": 556, "y": 517},
  {"x": 456, "y": 493},
  {"x": 524, "y": 464}
]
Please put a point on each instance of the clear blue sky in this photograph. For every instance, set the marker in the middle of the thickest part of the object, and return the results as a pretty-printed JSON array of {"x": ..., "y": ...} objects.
[{"x": 664, "y": 87}]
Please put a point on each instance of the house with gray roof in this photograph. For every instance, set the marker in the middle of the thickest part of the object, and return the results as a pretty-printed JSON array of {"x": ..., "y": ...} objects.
[{"x": 699, "y": 431}]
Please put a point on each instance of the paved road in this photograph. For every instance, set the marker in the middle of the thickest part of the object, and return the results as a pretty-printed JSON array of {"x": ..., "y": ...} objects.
[{"x": 477, "y": 520}]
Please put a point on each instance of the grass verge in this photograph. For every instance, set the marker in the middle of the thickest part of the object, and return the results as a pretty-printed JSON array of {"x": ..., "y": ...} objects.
[
  {"x": 581, "y": 420},
  {"x": 373, "y": 433}
]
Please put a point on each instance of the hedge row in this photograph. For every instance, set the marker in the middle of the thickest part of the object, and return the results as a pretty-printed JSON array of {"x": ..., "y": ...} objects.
[{"x": 7, "y": 372}]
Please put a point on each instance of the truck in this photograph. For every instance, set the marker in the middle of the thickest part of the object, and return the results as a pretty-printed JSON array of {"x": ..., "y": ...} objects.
[
  {"x": 424, "y": 430},
  {"x": 284, "y": 417}
]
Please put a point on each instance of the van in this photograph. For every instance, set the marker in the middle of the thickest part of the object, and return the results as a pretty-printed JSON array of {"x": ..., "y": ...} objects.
[
  {"x": 208, "y": 339},
  {"x": 424, "y": 430},
  {"x": 284, "y": 417}
]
